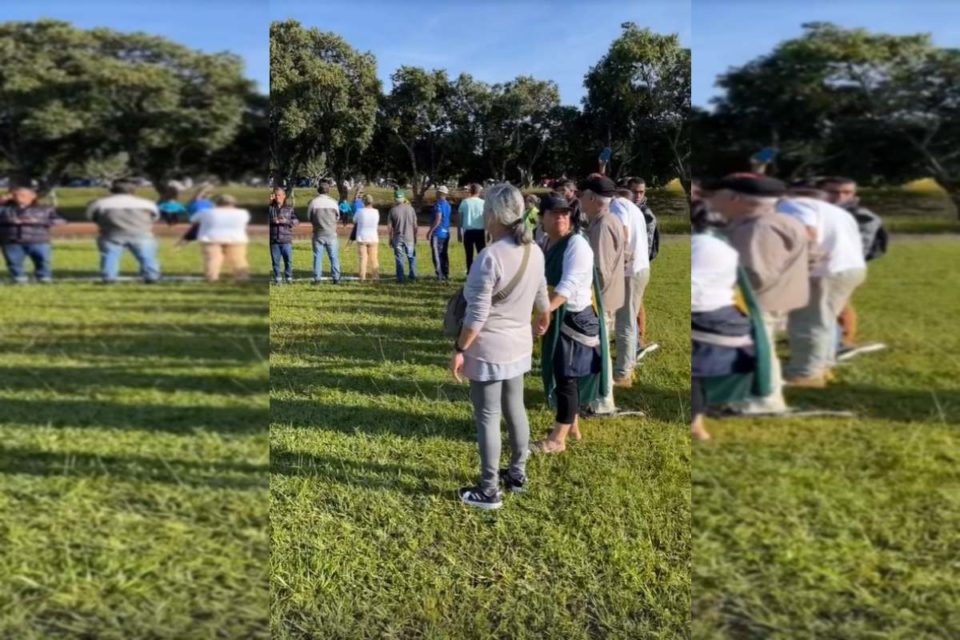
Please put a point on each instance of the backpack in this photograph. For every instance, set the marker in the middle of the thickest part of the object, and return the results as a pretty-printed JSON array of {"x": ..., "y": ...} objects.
[{"x": 457, "y": 304}]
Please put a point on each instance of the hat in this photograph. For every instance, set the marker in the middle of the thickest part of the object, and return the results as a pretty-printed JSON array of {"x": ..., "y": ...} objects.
[
  {"x": 752, "y": 184},
  {"x": 600, "y": 185},
  {"x": 398, "y": 195},
  {"x": 443, "y": 189},
  {"x": 554, "y": 201}
]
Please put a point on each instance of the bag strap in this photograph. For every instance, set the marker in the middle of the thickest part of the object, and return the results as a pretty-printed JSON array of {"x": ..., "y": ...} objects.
[{"x": 507, "y": 290}]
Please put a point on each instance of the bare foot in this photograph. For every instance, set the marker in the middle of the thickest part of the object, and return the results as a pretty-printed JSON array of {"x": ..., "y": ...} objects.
[
  {"x": 699, "y": 433},
  {"x": 575, "y": 434},
  {"x": 547, "y": 446}
]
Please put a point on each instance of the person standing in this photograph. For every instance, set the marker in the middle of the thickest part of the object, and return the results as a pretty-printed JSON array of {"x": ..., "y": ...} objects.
[
  {"x": 402, "y": 225},
  {"x": 494, "y": 349},
  {"x": 569, "y": 190},
  {"x": 842, "y": 192},
  {"x": 366, "y": 223},
  {"x": 606, "y": 236},
  {"x": 125, "y": 221},
  {"x": 323, "y": 213},
  {"x": 283, "y": 220},
  {"x": 573, "y": 353},
  {"x": 222, "y": 233},
  {"x": 637, "y": 275},
  {"x": 773, "y": 251},
  {"x": 638, "y": 195},
  {"x": 839, "y": 271},
  {"x": 171, "y": 210},
  {"x": 25, "y": 233},
  {"x": 471, "y": 224},
  {"x": 200, "y": 200},
  {"x": 439, "y": 234}
]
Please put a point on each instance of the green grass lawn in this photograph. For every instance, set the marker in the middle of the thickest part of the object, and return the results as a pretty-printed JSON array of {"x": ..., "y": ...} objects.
[
  {"x": 846, "y": 528},
  {"x": 371, "y": 438},
  {"x": 133, "y": 464}
]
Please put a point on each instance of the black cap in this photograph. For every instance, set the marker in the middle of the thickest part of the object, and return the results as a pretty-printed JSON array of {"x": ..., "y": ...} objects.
[
  {"x": 600, "y": 185},
  {"x": 753, "y": 184},
  {"x": 553, "y": 201}
]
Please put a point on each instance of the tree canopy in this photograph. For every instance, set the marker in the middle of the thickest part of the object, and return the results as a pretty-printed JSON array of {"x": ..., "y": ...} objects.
[{"x": 120, "y": 102}]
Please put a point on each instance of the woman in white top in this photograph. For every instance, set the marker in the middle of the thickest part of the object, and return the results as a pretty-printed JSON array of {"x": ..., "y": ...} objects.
[
  {"x": 222, "y": 233},
  {"x": 366, "y": 223},
  {"x": 572, "y": 352},
  {"x": 495, "y": 346}
]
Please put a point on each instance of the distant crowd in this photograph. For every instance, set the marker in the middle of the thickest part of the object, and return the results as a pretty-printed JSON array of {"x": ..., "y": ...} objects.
[{"x": 125, "y": 222}]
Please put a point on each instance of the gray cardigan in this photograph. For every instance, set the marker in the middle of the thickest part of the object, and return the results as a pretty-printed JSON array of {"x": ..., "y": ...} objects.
[{"x": 504, "y": 347}]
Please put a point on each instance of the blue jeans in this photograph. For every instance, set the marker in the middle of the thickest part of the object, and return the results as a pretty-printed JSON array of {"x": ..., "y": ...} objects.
[
  {"x": 401, "y": 251},
  {"x": 15, "y": 254},
  {"x": 284, "y": 251},
  {"x": 332, "y": 247},
  {"x": 145, "y": 251}
]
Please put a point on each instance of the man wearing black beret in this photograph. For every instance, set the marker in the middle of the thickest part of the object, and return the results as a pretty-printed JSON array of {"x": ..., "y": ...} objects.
[
  {"x": 773, "y": 250},
  {"x": 605, "y": 232}
]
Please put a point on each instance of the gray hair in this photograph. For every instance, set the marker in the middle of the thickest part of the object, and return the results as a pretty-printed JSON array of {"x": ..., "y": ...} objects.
[
  {"x": 226, "y": 199},
  {"x": 504, "y": 205}
]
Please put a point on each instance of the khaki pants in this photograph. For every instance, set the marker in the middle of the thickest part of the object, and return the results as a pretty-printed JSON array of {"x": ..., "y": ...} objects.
[
  {"x": 235, "y": 255},
  {"x": 368, "y": 253}
]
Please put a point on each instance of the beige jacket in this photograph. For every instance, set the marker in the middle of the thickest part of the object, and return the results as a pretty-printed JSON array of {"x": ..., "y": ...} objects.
[
  {"x": 773, "y": 250},
  {"x": 607, "y": 241}
]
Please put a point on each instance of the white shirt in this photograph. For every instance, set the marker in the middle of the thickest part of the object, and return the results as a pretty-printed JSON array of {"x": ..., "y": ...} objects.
[
  {"x": 576, "y": 281},
  {"x": 632, "y": 218},
  {"x": 367, "y": 219},
  {"x": 222, "y": 225},
  {"x": 713, "y": 273},
  {"x": 837, "y": 233}
]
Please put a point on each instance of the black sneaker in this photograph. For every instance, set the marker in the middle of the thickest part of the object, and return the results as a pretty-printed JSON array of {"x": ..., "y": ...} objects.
[
  {"x": 511, "y": 484},
  {"x": 474, "y": 497}
]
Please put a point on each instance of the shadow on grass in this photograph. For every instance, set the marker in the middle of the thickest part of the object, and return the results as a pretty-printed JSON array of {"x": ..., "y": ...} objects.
[
  {"x": 199, "y": 342},
  {"x": 877, "y": 403},
  {"x": 94, "y": 379},
  {"x": 35, "y": 462},
  {"x": 152, "y": 417},
  {"x": 375, "y": 421},
  {"x": 390, "y": 348},
  {"x": 358, "y": 473}
]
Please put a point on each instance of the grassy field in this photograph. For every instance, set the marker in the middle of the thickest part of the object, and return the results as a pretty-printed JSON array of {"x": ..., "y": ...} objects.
[
  {"x": 371, "y": 438},
  {"x": 133, "y": 468},
  {"x": 846, "y": 528}
]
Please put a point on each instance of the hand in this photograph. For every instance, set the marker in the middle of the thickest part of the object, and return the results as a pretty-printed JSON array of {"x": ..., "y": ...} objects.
[
  {"x": 542, "y": 324},
  {"x": 456, "y": 366}
]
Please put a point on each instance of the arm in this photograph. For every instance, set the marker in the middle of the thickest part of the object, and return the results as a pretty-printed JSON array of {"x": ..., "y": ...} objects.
[
  {"x": 478, "y": 292},
  {"x": 91, "y": 212},
  {"x": 436, "y": 222}
]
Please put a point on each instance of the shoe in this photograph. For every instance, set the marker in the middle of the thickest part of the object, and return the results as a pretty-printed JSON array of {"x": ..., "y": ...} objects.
[
  {"x": 625, "y": 382},
  {"x": 810, "y": 382},
  {"x": 45, "y": 280},
  {"x": 590, "y": 413},
  {"x": 474, "y": 497},
  {"x": 512, "y": 484},
  {"x": 643, "y": 351},
  {"x": 276, "y": 282},
  {"x": 848, "y": 353}
]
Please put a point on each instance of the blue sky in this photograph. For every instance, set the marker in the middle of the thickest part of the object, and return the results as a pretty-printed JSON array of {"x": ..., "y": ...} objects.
[
  {"x": 728, "y": 33},
  {"x": 493, "y": 40},
  {"x": 239, "y": 26}
]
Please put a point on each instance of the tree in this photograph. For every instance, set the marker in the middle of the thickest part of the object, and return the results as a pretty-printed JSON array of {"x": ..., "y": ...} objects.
[
  {"x": 854, "y": 102},
  {"x": 638, "y": 96},
  {"x": 323, "y": 103},
  {"x": 245, "y": 157},
  {"x": 68, "y": 94}
]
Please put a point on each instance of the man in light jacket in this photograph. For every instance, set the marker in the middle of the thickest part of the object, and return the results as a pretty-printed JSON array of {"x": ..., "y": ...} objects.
[{"x": 125, "y": 222}]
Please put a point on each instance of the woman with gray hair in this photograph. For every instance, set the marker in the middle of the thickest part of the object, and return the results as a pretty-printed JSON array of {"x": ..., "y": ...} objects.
[{"x": 495, "y": 346}]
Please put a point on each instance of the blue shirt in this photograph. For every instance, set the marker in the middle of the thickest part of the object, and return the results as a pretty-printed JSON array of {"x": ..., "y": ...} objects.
[
  {"x": 357, "y": 205},
  {"x": 443, "y": 229},
  {"x": 471, "y": 213},
  {"x": 197, "y": 206}
]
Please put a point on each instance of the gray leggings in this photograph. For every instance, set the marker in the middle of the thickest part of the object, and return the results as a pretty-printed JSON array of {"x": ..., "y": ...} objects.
[{"x": 488, "y": 398}]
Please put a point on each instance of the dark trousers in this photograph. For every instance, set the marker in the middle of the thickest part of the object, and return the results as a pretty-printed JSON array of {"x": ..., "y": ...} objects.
[
  {"x": 441, "y": 260},
  {"x": 473, "y": 240},
  {"x": 568, "y": 393},
  {"x": 284, "y": 252}
]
